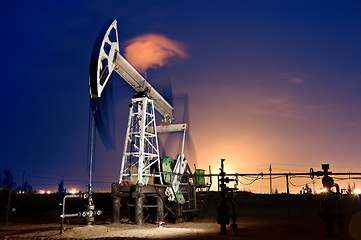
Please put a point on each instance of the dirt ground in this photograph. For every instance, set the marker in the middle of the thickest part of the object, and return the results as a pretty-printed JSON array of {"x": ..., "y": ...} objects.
[
  {"x": 247, "y": 229},
  {"x": 271, "y": 217}
]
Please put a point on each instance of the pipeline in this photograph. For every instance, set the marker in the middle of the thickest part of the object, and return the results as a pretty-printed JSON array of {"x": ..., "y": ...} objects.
[{"x": 89, "y": 214}]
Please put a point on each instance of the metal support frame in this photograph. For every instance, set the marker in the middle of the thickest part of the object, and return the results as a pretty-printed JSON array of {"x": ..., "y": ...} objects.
[
  {"x": 138, "y": 206},
  {"x": 141, "y": 159},
  {"x": 160, "y": 209},
  {"x": 141, "y": 199},
  {"x": 116, "y": 205}
]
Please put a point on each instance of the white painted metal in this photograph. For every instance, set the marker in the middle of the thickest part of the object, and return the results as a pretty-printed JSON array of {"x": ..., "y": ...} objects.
[
  {"x": 115, "y": 61},
  {"x": 103, "y": 72},
  {"x": 171, "y": 128},
  {"x": 141, "y": 153},
  {"x": 178, "y": 172},
  {"x": 141, "y": 145},
  {"x": 131, "y": 76}
]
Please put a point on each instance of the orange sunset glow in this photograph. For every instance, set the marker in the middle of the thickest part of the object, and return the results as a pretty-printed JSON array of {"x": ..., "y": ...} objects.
[{"x": 259, "y": 83}]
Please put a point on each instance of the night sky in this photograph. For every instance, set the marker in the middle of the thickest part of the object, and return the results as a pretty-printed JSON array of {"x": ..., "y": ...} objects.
[{"x": 261, "y": 82}]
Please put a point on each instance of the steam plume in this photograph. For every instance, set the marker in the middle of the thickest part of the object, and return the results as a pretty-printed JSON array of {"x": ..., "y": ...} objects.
[{"x": 152, "y": 51}]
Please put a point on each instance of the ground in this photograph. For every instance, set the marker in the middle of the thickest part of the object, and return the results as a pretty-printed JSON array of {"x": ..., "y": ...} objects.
[
  {"x": 247, "y": 229},
  {"x": 271, "y": 217}
]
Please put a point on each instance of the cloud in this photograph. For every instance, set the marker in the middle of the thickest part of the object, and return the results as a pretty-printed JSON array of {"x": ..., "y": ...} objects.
[
  {"x": 354, "y": 124},
  {"x": 152, "y": 51},
  {"x": 293, "y": 78},
  {"x": 297, "y": 80},
  {"x": 284, "y": 107}
]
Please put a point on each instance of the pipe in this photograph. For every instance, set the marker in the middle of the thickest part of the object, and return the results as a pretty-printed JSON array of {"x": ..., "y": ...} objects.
[{"x": 63, "y": 215}]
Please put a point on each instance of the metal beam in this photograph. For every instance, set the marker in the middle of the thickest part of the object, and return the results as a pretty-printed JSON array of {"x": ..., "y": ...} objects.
[
  {"x": 169, "y": 128},
  {"x": 134, "y": 79}
]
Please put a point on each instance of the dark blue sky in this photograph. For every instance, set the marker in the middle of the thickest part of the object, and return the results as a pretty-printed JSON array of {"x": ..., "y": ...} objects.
[{"x": 267, "y": 82}]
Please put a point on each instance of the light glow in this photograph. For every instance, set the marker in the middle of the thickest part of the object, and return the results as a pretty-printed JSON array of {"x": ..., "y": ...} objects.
[
  {"x": 73, "y": 191},
  {"x": 357, "y": 191}
]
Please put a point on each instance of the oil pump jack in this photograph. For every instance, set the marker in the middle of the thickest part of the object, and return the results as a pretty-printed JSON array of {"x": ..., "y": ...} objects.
[{"x": 146, "y": 180}]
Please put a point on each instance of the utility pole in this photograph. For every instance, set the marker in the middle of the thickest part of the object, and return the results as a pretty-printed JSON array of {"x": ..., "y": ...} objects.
[
  {"x": 22, "y": 184},
  {"x": 287, "y": 184},
  {"x": 313, "y": 183},
  {"x": 288, "y": 197},
  {"x": 8, "y": 208},
  {"x": 270, "y": 179}
]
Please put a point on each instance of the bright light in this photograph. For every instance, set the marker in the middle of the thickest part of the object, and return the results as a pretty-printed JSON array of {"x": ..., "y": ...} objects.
[
  {"x": 73, "y": 191},
  {"x": 323, "y": 190},
  {"x": 44, "y": 192},
  {"x": 357, "y": 191}
]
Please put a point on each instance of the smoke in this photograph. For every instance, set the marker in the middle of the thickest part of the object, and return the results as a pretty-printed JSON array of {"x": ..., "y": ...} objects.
[{"x": 152, "y": 51}]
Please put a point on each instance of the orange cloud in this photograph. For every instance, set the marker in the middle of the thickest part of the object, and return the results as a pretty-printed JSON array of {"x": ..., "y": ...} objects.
[
  {"x": 152, "y": 51},
  {"x": 297, "y": 80}
]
